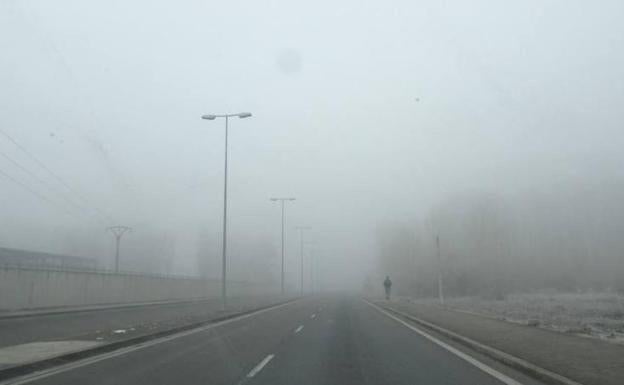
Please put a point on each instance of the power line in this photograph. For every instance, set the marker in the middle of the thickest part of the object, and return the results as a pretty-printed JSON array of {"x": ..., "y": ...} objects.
[
  {"x": 54, "y": 175},
  {"x": 35, "y": 193},
  {"x": 34, "y": 159},
  {"x": 50, "y": 44},
  {"x": 43, "y": 182}
]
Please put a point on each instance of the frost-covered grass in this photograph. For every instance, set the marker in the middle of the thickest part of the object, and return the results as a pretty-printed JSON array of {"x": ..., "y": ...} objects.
[{"x": 589, "y": 314}]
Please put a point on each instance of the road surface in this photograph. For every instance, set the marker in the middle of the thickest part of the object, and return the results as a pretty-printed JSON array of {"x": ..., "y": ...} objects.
[
  {"x": 72, "y": 325},
  {"x": 319, "y": 340}
]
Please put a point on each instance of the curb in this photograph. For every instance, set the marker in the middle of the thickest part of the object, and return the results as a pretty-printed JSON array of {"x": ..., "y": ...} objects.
[
  {"x": 48, "y": 363},
  {"x": 498, "y": 355}
]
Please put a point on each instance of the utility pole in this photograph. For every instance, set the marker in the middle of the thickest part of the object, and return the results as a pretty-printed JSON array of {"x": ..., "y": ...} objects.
[
  {"x": 282, "y": 200},
  {"x": 118, "y": 232},
  {"x": 301, "y": 229},
  {"x": 226, "y": 117},
  {"x": 440, "y": 286}
]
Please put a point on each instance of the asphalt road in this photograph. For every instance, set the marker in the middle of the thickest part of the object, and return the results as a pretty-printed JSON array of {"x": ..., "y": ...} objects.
[
  {"x": 86, "y": 324},
  {"x": 330, "y": 340}
]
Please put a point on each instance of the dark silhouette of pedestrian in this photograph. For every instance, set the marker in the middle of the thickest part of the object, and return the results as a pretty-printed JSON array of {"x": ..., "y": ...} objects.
[{"x": 388, "y": 286}]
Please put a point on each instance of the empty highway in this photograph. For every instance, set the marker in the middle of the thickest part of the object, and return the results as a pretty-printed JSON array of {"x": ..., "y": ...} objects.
[{"x": 317, "y": 340}]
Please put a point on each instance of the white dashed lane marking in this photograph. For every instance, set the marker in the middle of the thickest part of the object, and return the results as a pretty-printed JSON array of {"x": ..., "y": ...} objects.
[{"x": 261, "y": 365}]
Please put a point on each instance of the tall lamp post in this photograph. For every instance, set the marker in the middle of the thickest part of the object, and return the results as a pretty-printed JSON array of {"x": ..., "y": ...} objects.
[
  {"x": 301, "y": 230},
  {"x": 118, "y": 232},
  {"x": 240, "y": 115},
  {"x": 440, "y": 284},
  {"x": 282, "y": 200},
  {"x": 312, "y": 263}
]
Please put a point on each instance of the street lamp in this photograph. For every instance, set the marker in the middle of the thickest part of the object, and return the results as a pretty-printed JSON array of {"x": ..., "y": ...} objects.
[
  {"x": 301, "y": 229},
  {"x": 282, "y": 200},
  {"x": 312, "y": 264},
  {"x": 225, "y": 177},
  {"x": 440, "y": 284}
]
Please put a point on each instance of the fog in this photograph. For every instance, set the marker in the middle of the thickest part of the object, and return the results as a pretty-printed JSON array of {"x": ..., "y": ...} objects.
[{"x": 496, "y": 126}]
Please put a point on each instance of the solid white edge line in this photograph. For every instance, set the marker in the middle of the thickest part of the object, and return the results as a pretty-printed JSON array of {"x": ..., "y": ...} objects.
[
  {"x": 261, "y": 365},
  {"x": 489, "y": 370},
  {"x": 298, "y": 329},
  {"x": 101, "y": 357}
]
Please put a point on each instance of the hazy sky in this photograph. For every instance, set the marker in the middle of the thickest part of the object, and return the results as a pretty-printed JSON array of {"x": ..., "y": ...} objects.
[{"x": 365, "y": 111}]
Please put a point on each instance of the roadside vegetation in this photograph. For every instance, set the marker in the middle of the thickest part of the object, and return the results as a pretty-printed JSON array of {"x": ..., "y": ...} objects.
[{"x": 589, "y": 314}]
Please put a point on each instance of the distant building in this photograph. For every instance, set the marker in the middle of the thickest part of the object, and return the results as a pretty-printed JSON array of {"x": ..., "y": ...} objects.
[{"x": 26, "y": 258}]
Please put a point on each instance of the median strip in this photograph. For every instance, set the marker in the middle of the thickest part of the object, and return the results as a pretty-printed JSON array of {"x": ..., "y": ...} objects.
[{"x": 67, "y": 361}]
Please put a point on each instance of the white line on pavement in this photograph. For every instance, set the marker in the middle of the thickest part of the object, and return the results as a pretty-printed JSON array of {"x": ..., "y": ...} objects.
[
  {"x": 298, "y": 329},
  {"x": 261, "y": 365},
  {"x": 491, "y": 371},
  {"x": 88, "y": 361}
]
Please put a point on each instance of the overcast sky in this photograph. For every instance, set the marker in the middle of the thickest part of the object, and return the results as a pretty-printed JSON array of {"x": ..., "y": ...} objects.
[{"x": 365, "y": 111}]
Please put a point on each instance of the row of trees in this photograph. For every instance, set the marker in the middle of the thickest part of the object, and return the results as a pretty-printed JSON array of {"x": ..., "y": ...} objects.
[{"x": 490, "y": 245}]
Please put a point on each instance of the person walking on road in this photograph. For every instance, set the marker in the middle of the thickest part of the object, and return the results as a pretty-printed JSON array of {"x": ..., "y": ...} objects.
[{"x": 388, "y": 286}]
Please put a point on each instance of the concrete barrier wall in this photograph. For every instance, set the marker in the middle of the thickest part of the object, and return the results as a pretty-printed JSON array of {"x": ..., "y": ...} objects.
[{"x": 29, "y": 288}]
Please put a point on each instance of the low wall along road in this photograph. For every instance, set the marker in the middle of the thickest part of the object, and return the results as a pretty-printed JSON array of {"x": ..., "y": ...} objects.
[{"x": 32, "y": 288}]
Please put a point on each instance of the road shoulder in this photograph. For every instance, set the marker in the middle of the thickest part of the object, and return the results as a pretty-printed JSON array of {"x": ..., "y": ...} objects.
[{"x": 580, "y": 359}]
